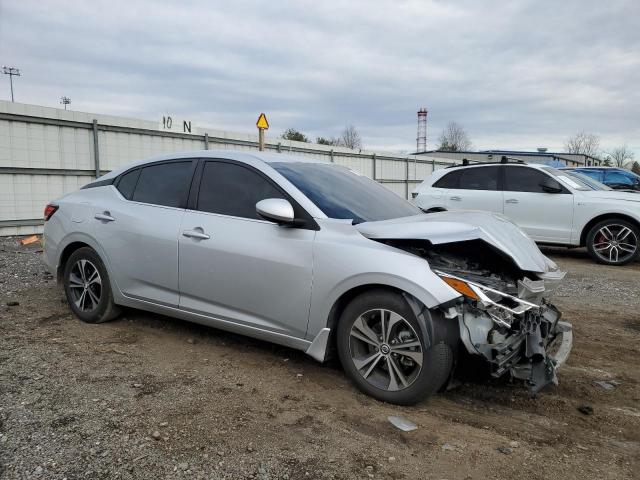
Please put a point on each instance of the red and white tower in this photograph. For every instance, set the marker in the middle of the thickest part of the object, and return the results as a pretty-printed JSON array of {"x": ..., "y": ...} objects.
[{"x": 421, "y": 141}]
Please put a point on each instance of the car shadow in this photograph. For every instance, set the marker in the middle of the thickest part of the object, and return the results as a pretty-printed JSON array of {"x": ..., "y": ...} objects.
[
  {"x": 564, "y": 252},
  {"x": 193, "y": 333}
]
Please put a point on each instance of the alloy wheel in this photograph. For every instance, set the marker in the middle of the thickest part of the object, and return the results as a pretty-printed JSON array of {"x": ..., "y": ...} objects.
[
  {"x": 85, "y": 285},
  {"x": 615, "y": 243},
  {"x": 385, "y": 349}
]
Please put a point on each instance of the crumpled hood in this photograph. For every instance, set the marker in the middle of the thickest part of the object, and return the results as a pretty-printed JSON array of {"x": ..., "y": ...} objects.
[{"x": 458, "y": 226}]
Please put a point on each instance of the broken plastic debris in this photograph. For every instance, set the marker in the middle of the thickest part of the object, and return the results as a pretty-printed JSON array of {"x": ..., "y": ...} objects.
[
  {"x": 402, "y": 423},
  {"x": 30, "y": 240},
  {"x": 606, "y": 385}
]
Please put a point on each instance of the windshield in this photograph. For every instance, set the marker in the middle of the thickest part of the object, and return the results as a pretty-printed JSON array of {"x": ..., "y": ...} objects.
[
  {"x": 344, "y": 194},
  {"x": 568, "y": 179},
  {"x": 593, "y": 183}
]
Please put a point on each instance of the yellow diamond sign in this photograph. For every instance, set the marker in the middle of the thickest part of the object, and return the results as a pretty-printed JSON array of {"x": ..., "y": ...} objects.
[{"x": 262, "y": 122}]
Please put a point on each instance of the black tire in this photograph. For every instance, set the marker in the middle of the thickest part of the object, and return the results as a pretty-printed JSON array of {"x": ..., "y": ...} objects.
[
  {"x": 102, "y": 310},
  {"x": 437, "y": 359},
  {"x": 596, "y": 240}
]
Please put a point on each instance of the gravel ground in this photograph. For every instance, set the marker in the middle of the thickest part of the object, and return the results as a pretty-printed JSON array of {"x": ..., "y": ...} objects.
[{"x": 148, "y": 396}]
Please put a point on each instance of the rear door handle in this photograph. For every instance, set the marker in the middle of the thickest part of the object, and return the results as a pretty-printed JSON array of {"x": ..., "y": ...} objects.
[
  {"x": 511, "y": 200},
  {"x": 196, "y": 233},
  {"x": 457, "y": 199},
  {"x": 104, "y": 216}
]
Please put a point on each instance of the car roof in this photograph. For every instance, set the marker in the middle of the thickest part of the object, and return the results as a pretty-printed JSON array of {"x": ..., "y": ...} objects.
[
  {"x": 594, "y": 168},
  {"x": 241, "y": 156},
  {"x": 493, "y": 164},
  {"x": 436, "y": 175}
]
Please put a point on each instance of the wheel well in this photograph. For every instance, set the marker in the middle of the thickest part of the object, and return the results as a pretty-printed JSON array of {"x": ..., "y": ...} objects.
[
  {"x": 66, "y": 253},
  {"x": 607, "y": 216},
  {"x": 341, "y": 304}
]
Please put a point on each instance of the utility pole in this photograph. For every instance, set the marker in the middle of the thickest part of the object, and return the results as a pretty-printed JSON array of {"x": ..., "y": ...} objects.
[
  {"x": 12, "y": 72},
  {"x": 65, "y": 101}
]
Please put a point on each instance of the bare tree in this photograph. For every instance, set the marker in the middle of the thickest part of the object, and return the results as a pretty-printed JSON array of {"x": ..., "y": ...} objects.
[
  {"x": 620, "y": 156},
  {"x": 584, "y": 143},
  {"x": 454, "y": 138},
  {"x": 350, "y": 138}
]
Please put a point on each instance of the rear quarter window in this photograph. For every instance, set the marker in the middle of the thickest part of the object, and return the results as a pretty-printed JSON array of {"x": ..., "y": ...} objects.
[
  {"x": 450, "y": 180},
  {"x": 127, "y": 183}
]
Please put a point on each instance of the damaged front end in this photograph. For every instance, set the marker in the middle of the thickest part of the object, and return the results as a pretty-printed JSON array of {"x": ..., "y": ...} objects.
[
  {"x": 518, "y": 333},
  {"x": 504, "y": 313}
]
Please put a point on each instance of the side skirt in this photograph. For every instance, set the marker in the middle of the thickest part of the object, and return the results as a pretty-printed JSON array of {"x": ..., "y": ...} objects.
[{"x": 269, "y": 336}]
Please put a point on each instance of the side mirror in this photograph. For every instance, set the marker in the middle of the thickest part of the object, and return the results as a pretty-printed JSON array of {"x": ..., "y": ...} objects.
[
  {"x": 550, "y": 185},
  {"x": 276, "y": 210}
]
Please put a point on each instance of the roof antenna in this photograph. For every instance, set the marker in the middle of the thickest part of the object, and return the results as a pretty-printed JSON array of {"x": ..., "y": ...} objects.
[{"x": 465, "y": 162}]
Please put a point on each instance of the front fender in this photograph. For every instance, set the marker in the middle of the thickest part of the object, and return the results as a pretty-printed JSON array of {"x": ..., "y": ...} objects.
[{"x": 344, "y": 260}]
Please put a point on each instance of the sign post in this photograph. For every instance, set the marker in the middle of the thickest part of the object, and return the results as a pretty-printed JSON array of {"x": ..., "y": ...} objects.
[{"x": 262, "y": 125}]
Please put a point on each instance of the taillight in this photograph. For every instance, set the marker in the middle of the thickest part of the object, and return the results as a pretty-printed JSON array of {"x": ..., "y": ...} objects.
[{"x": 49, "y": 210}]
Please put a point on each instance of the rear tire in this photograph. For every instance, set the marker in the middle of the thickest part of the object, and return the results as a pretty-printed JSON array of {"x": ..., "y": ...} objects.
[
  {"x": 614, "y": 242},
  {"x": 382, "y": 348},
  {"x": 87, "y": 287}
]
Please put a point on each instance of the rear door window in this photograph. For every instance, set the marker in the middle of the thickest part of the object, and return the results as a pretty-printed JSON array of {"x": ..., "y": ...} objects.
[
  {"x": 164, "y": 184},
  {"x": 479, "y": 178}
]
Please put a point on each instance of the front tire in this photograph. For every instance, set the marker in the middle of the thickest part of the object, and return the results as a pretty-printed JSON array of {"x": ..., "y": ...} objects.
[
  {"x": 614, "y": 242},
  {"x": 87, "y": 287},
  {"x": 384, "y": 350}
]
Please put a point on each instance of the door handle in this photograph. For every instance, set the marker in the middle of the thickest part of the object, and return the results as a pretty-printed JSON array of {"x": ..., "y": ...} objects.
[
  {"x": 456, "y": 198},
  {"x": 511, "y": 200},
  {"x": 104, "y": 216},
  {"x": 196, "y": 233}
]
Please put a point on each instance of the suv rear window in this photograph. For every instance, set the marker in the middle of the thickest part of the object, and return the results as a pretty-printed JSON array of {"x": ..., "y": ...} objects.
[
  {"x": 479, "y": 178},
  {"x": 164, "y": 184}
]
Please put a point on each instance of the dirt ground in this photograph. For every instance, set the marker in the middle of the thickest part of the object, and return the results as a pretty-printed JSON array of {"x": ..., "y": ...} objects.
[{"x": 148, "y": 396}]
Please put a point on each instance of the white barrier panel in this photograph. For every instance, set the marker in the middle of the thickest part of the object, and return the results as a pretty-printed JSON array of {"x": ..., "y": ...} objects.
[{"x": 47, "y": 152}]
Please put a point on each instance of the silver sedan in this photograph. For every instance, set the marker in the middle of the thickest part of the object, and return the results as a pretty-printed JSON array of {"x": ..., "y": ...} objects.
[{"x": 315, "y": 257}]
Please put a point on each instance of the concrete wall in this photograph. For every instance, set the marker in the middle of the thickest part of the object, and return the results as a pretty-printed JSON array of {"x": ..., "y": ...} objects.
[{"x": 47, "y": 152}]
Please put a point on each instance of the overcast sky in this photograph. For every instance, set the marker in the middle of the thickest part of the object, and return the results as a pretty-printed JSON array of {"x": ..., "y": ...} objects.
[{"x": 518, "y": 74}]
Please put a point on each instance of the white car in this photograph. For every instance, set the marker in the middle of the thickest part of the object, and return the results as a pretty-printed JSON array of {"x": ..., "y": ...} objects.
[{"x": 552, "y": 206}]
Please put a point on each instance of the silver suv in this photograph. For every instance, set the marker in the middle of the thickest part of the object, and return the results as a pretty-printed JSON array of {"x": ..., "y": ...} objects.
[{"x": 315, "y": 257}]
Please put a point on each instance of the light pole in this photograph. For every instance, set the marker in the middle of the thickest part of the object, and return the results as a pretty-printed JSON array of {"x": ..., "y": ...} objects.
[
  {"x": 65, "y": 101},
  {"x": 12, "y": 72}
]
